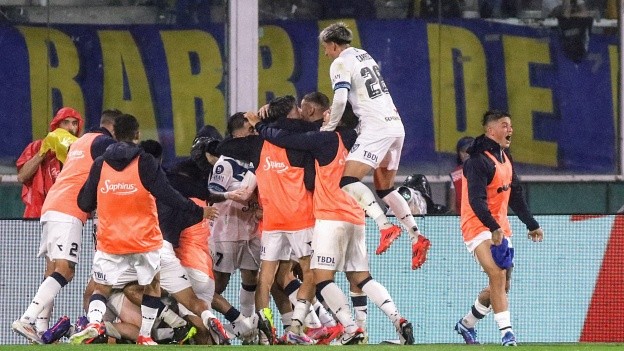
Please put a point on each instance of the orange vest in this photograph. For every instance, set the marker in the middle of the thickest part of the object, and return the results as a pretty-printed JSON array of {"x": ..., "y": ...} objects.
[
  {"x": 193, "y": 248},
  {"x": 331, "y": 202},
  {"x": 63, "y": 196},
  {"x": 498, "y": 192},
  {"x": 286, "y": 203},
  {"x": 128, "y": 220}
]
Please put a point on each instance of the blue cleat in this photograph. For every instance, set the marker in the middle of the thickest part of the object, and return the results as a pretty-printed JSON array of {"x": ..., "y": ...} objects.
[
  {"x": 509, "y": 339},
  {"x": 59, "y": 329},
  {"x": 469, "y": 334}
]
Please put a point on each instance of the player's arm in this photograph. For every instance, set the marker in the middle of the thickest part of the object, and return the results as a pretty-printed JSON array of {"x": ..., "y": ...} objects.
[
  {"x": 288, "y": 139},
  {"x": 28, "y": 162},
  {"x": 87, "y": 197},
  {"x": 517, "y": 202},
  {"x": 220, "y": 181},
  {"x": 341, "y": 83}
]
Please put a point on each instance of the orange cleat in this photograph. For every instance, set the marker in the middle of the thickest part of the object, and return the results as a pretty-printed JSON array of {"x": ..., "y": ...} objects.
[{"x": 388, "y": 236}]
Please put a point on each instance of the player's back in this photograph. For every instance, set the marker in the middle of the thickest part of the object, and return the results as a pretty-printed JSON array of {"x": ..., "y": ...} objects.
[{"x": 369, "y": 94}]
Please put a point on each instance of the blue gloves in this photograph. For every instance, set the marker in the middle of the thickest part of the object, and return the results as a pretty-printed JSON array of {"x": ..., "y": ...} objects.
[{"x": 503, "y": 255}]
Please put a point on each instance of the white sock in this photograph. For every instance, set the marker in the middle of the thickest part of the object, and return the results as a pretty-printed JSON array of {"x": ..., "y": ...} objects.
[
  {"x": 247, "y": 302},
  {"x": 365, "y": 197},
  {"x": 338, "y": 303},
  {"x": 45, "y": 295},
  {"x": 381, "y": 297},
  {"x": 324, "y": 316},
  {"x": 358, "y": 300},
  {"x": 300, "y": 310},
  {"x": 97, "y": 308},
  {"x": 311, "y": 319},
  {"x": 287, "y": 319},
  {"x": 171, "y": 318},
  {"x": 43, "y": 319},
  {"x": 401, "y": 210},
  {"x": 471, "y": 318},
  {"x": 148, "y": 317},
  {"x": 503, "y": 320}
]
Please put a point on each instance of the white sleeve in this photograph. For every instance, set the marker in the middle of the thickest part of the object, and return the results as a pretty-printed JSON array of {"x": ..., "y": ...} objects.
[
  {"x": 337, "y": 109},
  {"x": 221, "y": 176}
]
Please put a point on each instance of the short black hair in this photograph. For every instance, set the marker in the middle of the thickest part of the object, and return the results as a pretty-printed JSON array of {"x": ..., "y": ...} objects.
[
  {"x": 318, "y": 98},
  {"x": 152, "y": 147},
  {"x": 126, "y": 127},
  {"x": 493, "y": 115},
  {"x": 109, "y": 116},
  {"x": 280, "y": 107},
  {"x": 235, "y": 122}
]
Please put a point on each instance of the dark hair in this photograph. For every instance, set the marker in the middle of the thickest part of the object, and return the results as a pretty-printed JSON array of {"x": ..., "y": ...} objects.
[
  {"x": 462, "y": 143},
  {"x": 126, "y": 127},
  {"x": 338, "y": 33},
  {"x": 235, "y": 122},
  {"x": 152, "y": 147},
  {"x": 318, "y": 98},
  {"x": 280, "y": 107},
  {"x": 109, "y": 116},
  {"x": 493, "y": 115}
]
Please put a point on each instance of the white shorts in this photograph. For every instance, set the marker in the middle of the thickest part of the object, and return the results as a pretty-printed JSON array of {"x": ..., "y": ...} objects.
[
  {"x": 61, "y": 237},
  {"x": 203, "y": 285},
  {"x": 109, "y": 269},
  {"x": 277, "y": 245},
  {"x": 377, "y": 151},
  {"x": 483, "y": 236},
  {"x": 228, "y": 256},
  {"x": 114, "y": 304},
  {"x": 173, "y": 277},
  {"x": 339, "y": 246}
]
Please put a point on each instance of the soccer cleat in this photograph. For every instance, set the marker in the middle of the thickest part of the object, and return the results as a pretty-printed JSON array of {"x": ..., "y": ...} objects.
[
  {"x": 265, "y": 325},
  {"x": 509, "y": 339},
  {"x": 316, "y": 333},
  {"x": 218, "y": 333},
  {"x": 292, "y": 338},
  {"x": 469, "y": 334},
  {"x": 243, "y": 329},
  {"x": 406, "y": 332},
  {"x": 182, "y": 335},
  {"x": 388, "y": 236},
  {"x": 26, "y": 330},
  {"x": 355, "y": 338},
  {"x": 419, "y": 251},
  {"x": 58, "y": 330},
  {"x": 145, "y": 340},
  {"x": 332, "y": 333},
  {"x": 88, "y": 334},
  {"x": 81, "y": 323}
]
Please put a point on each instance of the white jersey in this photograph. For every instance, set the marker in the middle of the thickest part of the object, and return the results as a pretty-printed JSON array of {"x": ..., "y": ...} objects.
[
  {"x": 236, "y": 221},
  {"x": 357, "y": 71}
]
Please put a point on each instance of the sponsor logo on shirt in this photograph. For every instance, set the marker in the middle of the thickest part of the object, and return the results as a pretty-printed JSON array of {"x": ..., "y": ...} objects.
[
  {"x": 219, "y": 169},
  {"x": 118, "y": 188},
  {"x": 279, "y": 167},
  {"x": 75, "y": 154}
]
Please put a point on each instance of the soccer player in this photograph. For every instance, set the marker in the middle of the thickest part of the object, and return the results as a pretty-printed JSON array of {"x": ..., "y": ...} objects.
[
  {"x": 40, "y": 163},
  {"x": 356, "y": 78},
  {"x": 62, "y": 220},
  {"x": 124, "y": 184},
  {"x": 339, "y": 239},
  {"x": 235, "y": 239},
  {"x": 490, "y": 185}
]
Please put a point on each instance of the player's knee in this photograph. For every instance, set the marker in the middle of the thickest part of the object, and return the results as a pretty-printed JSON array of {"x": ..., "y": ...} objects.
[
  {"x": 344, "y": 181},
  {"x": 364, "y": 281},
  {"x": 384, "y": 192}
]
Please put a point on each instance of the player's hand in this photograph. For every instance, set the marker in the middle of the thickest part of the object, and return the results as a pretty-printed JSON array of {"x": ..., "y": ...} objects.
[
  {"x": 241, "y": 194},
  {"x": 259, "y": 213},
  {"x": 419, "y": 251},
  {"x": 497, "y": 236},
  {"x": 252, "y": 117},
  {"x": 210, "y": 212},
  {"x": 263, "y": 112},
  {"x": 536, "y": 235}
]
